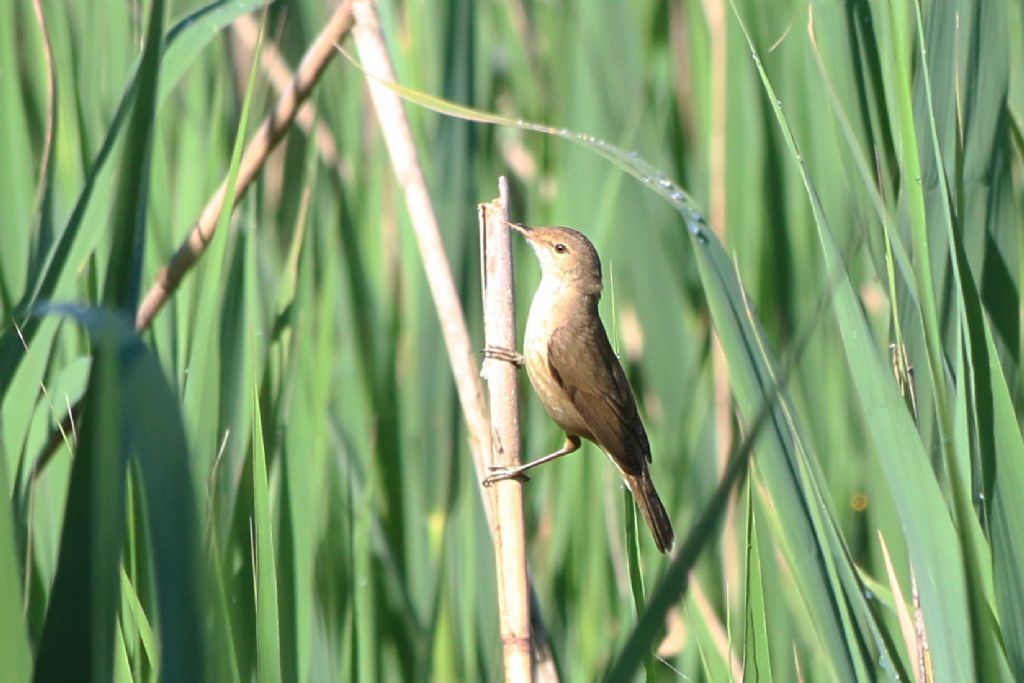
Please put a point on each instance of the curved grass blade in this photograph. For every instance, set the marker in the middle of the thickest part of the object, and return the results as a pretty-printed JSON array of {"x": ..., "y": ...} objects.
[
  {"x": 158, "y": 443},
  {"x": 131, "y": 402},
  {"x": 78, "y": 634},
  {"x": 630, "y": 162},
  {"x": 187, "y": 39}
]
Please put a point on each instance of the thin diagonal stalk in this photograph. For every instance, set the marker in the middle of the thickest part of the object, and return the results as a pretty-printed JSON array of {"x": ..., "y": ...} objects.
[
  {"x": 270, "y": 133},
  {"x": 394, "y": 127}
]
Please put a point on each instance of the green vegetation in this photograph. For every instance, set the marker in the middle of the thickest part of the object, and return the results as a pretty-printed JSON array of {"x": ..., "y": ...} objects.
[{"x": 274, "y": 482}]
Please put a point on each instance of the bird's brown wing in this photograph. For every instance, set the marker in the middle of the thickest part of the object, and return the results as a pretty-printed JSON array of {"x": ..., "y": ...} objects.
[{"x": 583, "y": 363}]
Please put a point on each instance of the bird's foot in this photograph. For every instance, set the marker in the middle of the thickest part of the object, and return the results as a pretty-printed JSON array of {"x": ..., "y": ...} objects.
[
  {"x": 501, "y": 353},
  {"x": 503, "y": 473}
]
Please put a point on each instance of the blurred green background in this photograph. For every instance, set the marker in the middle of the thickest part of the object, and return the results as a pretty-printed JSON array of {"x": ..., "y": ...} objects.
[{"x": 274, "y": 481}]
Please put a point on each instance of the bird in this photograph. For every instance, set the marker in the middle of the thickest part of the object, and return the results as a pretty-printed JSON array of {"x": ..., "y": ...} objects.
[{"x": 576, "y": 374}]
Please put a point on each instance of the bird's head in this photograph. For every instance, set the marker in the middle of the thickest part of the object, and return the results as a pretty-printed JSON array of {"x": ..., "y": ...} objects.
[{"x": 566, "y": 256}]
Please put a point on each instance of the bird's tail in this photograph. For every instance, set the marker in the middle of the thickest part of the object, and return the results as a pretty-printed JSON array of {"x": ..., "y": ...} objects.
[{"x": 651, "y": 508}]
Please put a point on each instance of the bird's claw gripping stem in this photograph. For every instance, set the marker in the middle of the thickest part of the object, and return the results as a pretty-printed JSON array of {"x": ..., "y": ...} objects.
[
  {"x": 501, "y": 353},
  {"x": 503, "y": 473}
]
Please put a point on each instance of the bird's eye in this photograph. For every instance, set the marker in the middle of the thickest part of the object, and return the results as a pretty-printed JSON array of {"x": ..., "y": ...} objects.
[{"x": 561, "y": 248}]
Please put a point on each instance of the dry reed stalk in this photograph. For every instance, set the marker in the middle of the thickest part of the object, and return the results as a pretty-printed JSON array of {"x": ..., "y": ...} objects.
[
  {"x": 280, "y": 75},
  {"x": 395, "y": 129},
  {"x": 503, "y": 394},
  {"x": 270, "y": 133}
]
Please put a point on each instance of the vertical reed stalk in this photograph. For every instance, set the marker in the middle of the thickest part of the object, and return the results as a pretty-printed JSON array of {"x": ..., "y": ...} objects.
[{"x": 503, "y": 395}]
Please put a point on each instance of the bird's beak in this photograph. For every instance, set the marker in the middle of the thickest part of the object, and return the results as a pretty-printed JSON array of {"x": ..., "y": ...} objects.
[{"x": 523, "y": 230}]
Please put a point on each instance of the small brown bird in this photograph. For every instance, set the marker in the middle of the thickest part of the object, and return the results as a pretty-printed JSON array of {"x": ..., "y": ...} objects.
[{"x": 575, "y": 373}]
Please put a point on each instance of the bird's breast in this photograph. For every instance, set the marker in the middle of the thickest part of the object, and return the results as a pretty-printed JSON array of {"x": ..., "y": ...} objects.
[{"x": 546, "y": 315}]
